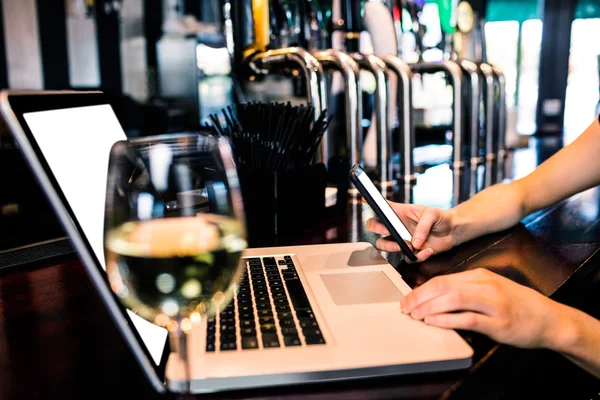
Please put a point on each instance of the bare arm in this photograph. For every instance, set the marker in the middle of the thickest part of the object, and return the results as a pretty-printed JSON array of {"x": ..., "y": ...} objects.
[
  {"x": 579, "y": 339},
  {"x": 573, "y": 169}
]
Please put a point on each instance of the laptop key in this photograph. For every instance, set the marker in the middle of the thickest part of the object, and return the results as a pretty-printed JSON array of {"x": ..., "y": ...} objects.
[
  {"x": 265, "y": 313},
  {"x": 249, "y": 342},
  {"x": 282, "y": 307},
  {"x": 284, "y": 315},
  {"x": 306, "y": 323},
  {"x": 266, "y": 320},
  {"x": 244, "y": 302},
  {"x": 314, "y": 340},
  {"x": 277, "y": 289},
  {"x": 297, "y": 295},
  {"x": 281, "y": 262},
  {"x": 270, "y": 340},
  {"x": 289, "y": 332},
  {"x": 228, "y": 346},
  {"x": 311, "y": 332},
  {"x": 246, "y": 323},
  {"x": 261, "y": 299},
  {"x": 292, "y": 341},
  {"x": 246, "y": 308},
  {"x": 248, "y": 331},
  {"x": 210, "y": 347},
  {"x": 268, "y": 328},
  {"x": 247, "y": 315},
  {"x": 228, "y": 338},
  {"x": 263, "y": 306},
  {"x": 287, "y": 323},
  {"x": 290, "y": 275},
  {"x": 269, "y": 261},
  {"x": 305, "y": 314}
]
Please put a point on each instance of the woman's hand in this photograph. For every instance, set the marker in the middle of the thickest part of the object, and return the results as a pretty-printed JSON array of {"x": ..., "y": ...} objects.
[
  {"x": 482, "y": 301},
  {"x": 432, "y": 229}
]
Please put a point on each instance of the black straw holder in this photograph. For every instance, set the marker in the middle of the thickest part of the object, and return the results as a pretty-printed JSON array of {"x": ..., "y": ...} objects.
[{"x": 283, "y": 202}]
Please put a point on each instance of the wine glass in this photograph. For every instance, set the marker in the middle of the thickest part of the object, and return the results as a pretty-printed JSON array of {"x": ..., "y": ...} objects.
[{"x": 174, "y": 232}]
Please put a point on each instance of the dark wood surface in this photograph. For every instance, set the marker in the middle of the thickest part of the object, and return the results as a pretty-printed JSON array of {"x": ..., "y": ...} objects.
[{"x": 58, "y": 341}]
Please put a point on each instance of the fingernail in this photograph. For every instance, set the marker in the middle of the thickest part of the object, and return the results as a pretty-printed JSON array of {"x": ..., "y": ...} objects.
[
  {"x": 417, "y": 243},
  {"x": 430, "y": 251},
  {"x": 429, "y": 320},
  {"x": 416, "y": 314}
]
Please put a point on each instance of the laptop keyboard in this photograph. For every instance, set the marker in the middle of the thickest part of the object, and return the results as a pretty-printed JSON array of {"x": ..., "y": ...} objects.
[{"x": 270, "y": 310}]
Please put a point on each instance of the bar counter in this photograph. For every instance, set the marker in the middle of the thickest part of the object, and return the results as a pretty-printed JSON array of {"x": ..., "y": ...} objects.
[{"x": 58, "y": 341}]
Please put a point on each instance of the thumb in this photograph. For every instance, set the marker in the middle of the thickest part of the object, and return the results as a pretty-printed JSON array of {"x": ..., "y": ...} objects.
[{"x": 428, "y": 218}]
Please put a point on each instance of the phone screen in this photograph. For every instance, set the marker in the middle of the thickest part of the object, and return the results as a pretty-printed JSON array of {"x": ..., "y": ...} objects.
[{"x": 384, "y": 206}]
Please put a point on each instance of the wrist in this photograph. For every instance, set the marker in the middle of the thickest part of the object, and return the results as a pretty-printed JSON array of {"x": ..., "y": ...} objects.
[
  {"x": 563, "y": 332},
  {"x": 458, "y": 226}
]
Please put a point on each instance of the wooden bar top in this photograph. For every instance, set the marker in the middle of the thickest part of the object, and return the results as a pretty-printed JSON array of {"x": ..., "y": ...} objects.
[{"x": 57, "y": 340}]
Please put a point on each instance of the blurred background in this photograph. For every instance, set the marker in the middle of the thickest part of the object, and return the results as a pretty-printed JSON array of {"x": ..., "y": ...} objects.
[{"x": 167, "y": 65}]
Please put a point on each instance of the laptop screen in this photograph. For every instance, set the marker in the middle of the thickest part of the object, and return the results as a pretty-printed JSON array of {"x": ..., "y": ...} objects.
[{"x": 76, "y": 144}]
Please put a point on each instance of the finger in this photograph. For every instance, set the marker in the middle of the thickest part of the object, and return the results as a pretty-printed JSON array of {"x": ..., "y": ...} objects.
[
  {"x": 424, "y": 254},
  {"x": 458, "y": 300},
  {"x": 433, "y": 288},
  {"x": 387, "y": 245},
  {"x": 466, "y": 320},
  {"x": 374, "y": 225},
  {"x": 428, "y": 218}
]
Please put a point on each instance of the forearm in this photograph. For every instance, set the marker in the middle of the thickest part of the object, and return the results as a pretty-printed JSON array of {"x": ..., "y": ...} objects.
[
  {"x": 494, "y": 209},
  {"x": 571, "y": 170},
  {"x": 577, "y": 337}
]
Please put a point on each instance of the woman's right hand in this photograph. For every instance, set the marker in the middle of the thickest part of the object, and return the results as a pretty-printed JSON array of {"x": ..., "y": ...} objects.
[{"x": 433, "y": 230}]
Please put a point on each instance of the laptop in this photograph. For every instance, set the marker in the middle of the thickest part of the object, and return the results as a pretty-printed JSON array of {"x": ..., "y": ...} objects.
[{"x": 317, "y": 313}]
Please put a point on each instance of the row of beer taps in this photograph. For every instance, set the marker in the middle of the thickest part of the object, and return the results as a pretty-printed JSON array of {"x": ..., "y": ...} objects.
[{"x": 478, "y": 104}]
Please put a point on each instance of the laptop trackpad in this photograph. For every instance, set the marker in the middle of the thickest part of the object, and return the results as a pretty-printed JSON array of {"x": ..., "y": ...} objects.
[{"x": 361, "y": 288}]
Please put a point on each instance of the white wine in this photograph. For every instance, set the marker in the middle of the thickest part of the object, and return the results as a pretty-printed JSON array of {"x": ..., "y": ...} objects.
[{"x": 171, "y": 267}]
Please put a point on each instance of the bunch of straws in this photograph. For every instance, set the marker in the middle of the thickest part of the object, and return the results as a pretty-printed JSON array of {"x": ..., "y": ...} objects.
[{"x": 272, "y": 137}]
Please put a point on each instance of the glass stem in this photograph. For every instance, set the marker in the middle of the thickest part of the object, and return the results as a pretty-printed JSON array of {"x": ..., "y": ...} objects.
[{"x": 179, "y": 346}]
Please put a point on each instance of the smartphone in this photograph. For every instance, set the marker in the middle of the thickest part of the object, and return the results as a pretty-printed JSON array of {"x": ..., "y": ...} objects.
[{"x": 383, "y": 210}]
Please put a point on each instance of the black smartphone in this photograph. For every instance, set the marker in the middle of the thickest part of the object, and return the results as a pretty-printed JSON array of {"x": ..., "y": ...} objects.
[{"x": 383, "y": 210}]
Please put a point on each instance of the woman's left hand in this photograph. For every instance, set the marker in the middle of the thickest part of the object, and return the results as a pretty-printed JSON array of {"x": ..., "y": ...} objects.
[{"x": 482, "y": 301}]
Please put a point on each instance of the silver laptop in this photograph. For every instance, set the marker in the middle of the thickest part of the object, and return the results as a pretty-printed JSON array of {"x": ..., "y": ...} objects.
[{"x": 318, "y": 312}]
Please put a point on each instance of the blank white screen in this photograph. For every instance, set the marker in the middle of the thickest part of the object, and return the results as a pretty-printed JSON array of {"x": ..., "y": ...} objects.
[
  {"x": 385, "y": 207},
  {"x": 76, "y": 144}
]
